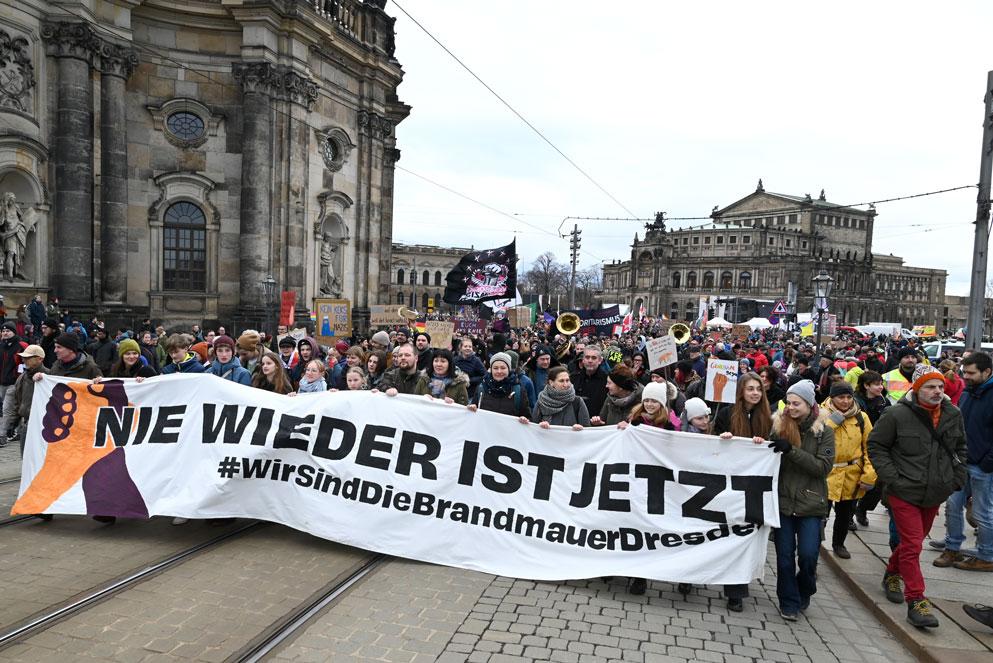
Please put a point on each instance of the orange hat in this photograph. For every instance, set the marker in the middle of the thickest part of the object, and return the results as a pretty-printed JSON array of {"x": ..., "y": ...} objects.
[
  {"x": 924, "y": 373},
  {"x": 202, "y": 349}
]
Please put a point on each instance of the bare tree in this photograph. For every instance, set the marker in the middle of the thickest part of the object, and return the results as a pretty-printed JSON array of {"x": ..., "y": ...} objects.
[
  {"x": 546, "y": 277},
  {"x": 589, "y": 284}
]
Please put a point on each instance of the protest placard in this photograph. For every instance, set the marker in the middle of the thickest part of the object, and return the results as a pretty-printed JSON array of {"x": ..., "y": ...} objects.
[
  {"x": 741, "y": 331},
  {"x": 661, "y": 351},
  {"x": 441, "y": 333},
  {"x": 722, "y": 381},
  {"x": 385, "y": 316}
]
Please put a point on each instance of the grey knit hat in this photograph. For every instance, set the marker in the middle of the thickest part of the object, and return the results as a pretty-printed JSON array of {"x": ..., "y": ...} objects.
[
  {"x": 805, "y": 390},
  {"x": 501, "y": 356}
]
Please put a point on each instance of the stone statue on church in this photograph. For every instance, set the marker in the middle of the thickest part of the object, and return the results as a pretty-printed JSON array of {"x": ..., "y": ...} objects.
[
  {"x": 330, "y": 282},
  {"x": 15, "y": 226}
]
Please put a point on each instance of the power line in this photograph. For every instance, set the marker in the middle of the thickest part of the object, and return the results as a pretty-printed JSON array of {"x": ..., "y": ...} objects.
[{"x": 512, "y": 109}]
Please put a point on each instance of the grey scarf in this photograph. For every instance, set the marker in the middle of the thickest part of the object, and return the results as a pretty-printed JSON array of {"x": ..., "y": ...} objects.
[{"x": 552, "y": 401}]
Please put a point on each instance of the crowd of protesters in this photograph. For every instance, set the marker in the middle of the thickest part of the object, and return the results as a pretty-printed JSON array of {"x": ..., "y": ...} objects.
[{"x": 857, "y": 422}]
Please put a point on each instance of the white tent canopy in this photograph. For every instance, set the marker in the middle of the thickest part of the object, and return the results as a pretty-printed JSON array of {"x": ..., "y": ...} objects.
[
  {"x": 719, "y": 322},
  {"x": 758, "y": 323}
]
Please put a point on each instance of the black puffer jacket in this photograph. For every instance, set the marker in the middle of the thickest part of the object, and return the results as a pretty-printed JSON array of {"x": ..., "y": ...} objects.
[{"x": 917, "y": 463}]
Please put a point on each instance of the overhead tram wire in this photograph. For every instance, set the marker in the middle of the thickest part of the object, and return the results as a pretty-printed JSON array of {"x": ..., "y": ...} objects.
[
  {"x": 514, "y": 110},
  {"x": 489, "y": 207}
]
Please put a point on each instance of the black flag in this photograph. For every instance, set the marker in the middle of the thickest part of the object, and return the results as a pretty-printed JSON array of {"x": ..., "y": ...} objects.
[{"x": 483, "y": 275}]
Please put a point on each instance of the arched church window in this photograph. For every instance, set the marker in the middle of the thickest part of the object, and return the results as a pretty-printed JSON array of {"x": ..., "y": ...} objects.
[
  {"x": 184, "y": 248},
  {"x": 708, "y": 279},
  {"x": 400, "y": 277},
  {"x": 437, "y": 277},
  {"x": 675, "y": 280}
]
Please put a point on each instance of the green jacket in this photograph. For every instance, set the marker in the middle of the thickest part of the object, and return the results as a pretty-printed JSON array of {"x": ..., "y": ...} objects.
[
  {"x": 912, "y": 464},
  {"x": 803, "y": 470},
  {"x": 403, "y": 382},
  {"x": 457, "y": 390}
]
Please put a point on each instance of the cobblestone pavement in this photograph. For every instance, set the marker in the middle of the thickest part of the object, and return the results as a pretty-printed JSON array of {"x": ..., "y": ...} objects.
[
  {"x": 412, "y": 612},
  {"x": 8, "y": 495},
  {"x": 202, "y": 610},
  {"x": 10, "y": 460},
  {"x": 48, "y": 563}
]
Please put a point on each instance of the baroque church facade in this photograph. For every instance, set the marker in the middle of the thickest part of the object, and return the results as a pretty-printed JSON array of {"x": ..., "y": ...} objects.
[
  {"x": 187, "y": 161},
  {"x": 767, "y": 247}
]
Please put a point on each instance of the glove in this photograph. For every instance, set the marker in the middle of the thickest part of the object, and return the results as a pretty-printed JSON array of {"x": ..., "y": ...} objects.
[{"x": 780, "y": 446}]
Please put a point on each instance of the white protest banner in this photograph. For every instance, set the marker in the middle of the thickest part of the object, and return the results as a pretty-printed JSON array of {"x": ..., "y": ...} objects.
[
  {"x": 661, "y": 352},
  {"x": 722, "y": 381},
  {"x": 406, "y": 476}
]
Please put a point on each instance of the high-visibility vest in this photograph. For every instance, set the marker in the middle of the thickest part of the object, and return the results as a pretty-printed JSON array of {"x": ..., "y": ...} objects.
[{"x": 896, "y": 385}]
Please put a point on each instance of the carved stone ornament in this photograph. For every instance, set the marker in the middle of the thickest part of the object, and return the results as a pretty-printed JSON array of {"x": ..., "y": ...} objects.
[
  {"x": 277, "y": 81},
  {"x": 16, "y": 73},
  {"x": 116, "y": 60},
  {"x": 71, "y": 40},
  {"x": 374, "y": 125},
  {"x": 334, "y": 145}
]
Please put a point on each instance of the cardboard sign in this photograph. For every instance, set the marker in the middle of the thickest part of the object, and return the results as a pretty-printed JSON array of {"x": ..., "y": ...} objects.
[
  {"x": 722, "y": 381},
  {"x": 741, "y": 331},
  {"x": 334, "y": 320},
  {"x": 441, "y": 333},
  {"x": 661, "y": 352},
  {"x": 519, "y": 316},
  {"x": 385, "y": 316},
  {"x": 287, "y": 306},
  {"x": 464, "y": 327}
]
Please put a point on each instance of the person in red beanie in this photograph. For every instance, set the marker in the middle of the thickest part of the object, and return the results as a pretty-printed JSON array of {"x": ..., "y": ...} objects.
[{"x": 918, "y": 448}]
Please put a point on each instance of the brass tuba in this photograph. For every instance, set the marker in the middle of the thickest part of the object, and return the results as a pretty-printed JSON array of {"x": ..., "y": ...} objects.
[
  {"x": 568, "y": 323},
  {"x": 680, "y": 332}
]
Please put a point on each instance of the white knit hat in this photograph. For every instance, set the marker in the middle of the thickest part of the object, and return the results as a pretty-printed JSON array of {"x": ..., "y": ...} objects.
[
  {"x": 696, "y": 407},
  {"x": 655, "y": 391}
]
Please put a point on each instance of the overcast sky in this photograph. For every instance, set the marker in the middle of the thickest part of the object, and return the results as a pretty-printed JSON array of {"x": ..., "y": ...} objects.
[{"x": 683, "y": 106}]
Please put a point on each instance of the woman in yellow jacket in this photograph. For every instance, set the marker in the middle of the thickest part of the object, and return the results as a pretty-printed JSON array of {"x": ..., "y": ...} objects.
[{"x": 852, "y": 474}]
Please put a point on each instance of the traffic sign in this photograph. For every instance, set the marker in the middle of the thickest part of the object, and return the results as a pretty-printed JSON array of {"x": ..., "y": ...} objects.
[
  {"x": 779, "y": 308},
  {"x": 773, "y": 320}
]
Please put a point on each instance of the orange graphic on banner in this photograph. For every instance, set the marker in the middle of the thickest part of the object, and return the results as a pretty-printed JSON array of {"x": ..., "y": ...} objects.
[{"x": 68, "y": 427}]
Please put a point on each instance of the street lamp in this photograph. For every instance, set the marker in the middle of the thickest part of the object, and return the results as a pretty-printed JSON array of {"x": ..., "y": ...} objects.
[
  {"x": 268, "y": 294},
  {"x": 822, "y": 290}
]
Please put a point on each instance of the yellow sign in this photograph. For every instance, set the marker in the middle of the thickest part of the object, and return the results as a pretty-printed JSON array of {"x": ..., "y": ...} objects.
[
  {"x": 430, "y": 304},
  {"x": 334, "y": 319}
]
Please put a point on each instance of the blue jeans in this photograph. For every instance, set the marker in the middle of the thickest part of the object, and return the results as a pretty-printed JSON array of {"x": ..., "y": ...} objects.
[
  {"x": 980, "y": 488},
  {"x": 798, "y": 539}
]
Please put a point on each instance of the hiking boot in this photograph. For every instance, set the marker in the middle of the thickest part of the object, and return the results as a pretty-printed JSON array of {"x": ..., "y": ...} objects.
[
  {"x": 893, "y": 586},
  {"x": 842, "y": 552},
  {"x": 638, "y": 586},
  {"x": 981, "y": 613},
  {"x": 948, "y": 558},
  {"x": 861, "y": 518},
  {"x": 919, "y": 614},
  {"x": 973, "y": 564}
]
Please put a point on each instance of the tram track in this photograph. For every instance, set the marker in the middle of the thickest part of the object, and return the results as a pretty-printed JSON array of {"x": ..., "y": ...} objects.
[
  {"x": 238, "y": 602},
  {"x": 296, "y": 621},
  {"x": 34, "y": 624}
]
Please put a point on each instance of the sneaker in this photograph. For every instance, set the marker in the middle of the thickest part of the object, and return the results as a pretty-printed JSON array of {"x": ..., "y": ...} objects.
[
  {"x": 180, "y": 521},
  {"x": 973, "y": 564},
  {"x": 919, "y": 614},
  {"x": 804, "y": 604},
  {"x": 736, "y": 605},
  {"x": 981, "y": 613},
  {"x": 893, "y": 586},
  {"x": 638, "y": 586},
  {"x": 861, "y": 518},
  {"x": 789, "y": 616},
  {"x": 842, "y": 552},
  {"x": 937, "y": 544},
  {"x": 948, "y": 558}
]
